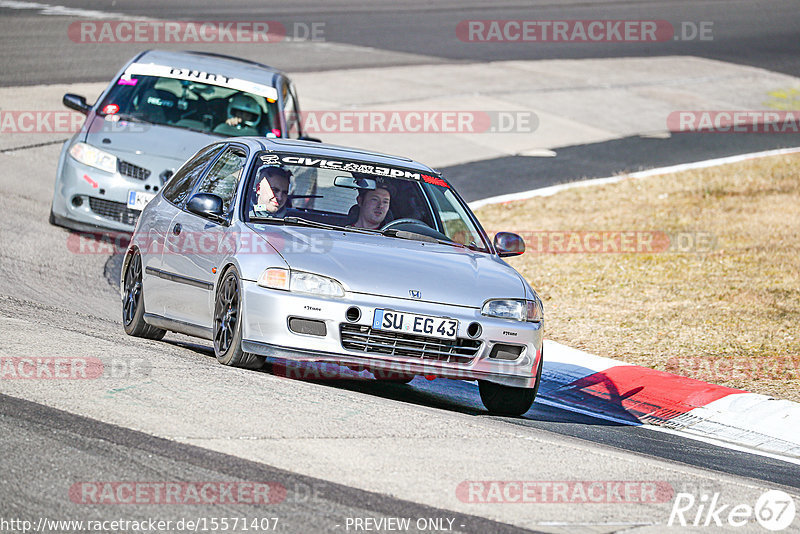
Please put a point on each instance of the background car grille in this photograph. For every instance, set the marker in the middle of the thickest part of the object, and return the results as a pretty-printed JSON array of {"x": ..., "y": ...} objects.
[
  {"x": 134, "y": 171},
  {"x": 115, "y": 211},
  {"x": 363, "y": 338}
]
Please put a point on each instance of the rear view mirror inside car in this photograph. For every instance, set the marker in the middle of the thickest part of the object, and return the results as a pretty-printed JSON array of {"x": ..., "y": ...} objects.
[{"x": 352, "y": 182}]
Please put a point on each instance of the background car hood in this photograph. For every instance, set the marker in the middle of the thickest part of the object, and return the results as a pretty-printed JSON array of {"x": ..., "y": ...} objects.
[
  {"x": 175, "y": 144},
  {"x": 391, "y": 267}
]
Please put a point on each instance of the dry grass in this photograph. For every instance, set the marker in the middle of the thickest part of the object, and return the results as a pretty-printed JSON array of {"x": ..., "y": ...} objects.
[{"x": 728, "y": 315}]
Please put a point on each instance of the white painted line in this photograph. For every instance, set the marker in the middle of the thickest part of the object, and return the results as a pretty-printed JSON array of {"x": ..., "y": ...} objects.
[
  {"x": 63, "y": 11},
  {"x": 553, "y": 189}
]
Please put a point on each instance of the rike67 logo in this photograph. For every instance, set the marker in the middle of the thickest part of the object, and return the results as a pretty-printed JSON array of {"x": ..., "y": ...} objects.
[{"x": 774, "y": 510}]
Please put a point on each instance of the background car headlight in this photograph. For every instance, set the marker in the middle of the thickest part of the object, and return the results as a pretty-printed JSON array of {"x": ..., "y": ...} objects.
[
  {"x": 94, "y": 157},
  {"x": 515, "y": 309},
  {"x": 300, "y": 282}
]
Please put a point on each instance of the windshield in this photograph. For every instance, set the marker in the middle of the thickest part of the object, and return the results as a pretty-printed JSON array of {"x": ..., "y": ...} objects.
[
  {"x": 185, "y": 103},
  {"x": 358, "y": 194}
]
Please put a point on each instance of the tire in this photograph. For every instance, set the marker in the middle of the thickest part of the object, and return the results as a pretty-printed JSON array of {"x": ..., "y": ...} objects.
[
  {"x": 133, "y": 303},
  {"x": 228, "y": 325},
  {"x": 507, "y": 400}
]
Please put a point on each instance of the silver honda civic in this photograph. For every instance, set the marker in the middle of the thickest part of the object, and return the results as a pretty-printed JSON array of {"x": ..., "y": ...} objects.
[{"x": 305, "y": 252}]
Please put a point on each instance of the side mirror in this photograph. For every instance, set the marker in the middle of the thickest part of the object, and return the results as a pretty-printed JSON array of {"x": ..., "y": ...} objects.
[
  {"x": 207, "y": 205},
  {"x": 508, "y": 244},
  {"x": 76, "y": 102}
]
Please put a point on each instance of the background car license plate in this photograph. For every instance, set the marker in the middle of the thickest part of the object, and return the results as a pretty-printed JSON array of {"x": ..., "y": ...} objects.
[
  {"x": 412, "y": 323},
  {"x": 137, "y": 200}
]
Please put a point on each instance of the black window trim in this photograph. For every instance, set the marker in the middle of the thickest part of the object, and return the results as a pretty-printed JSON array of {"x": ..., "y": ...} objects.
[
  {"x": 182, "y": 204},
  {"x": 247, "y": 164}
]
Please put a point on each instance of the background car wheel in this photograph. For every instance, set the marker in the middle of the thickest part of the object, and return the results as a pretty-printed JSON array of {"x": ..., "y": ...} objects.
[
  {"x": 228, "y": 325},
  {"x": 133, "y": 303}
]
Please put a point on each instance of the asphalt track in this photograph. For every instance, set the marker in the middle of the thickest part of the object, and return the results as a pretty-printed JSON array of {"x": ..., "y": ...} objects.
[
  {"x": 758, "y": 33},
  {"x": 47, "y": 449}
]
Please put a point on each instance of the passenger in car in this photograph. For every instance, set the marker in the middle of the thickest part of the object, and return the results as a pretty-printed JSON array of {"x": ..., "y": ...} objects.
[{"x": 373, "y": 206}]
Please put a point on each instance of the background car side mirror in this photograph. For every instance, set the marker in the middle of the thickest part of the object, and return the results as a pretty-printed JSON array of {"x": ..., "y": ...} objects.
[
  {"x": 76, "y": 102},
  {"x": 207, "y": 205},
  {"x": 508, "y": 244}
]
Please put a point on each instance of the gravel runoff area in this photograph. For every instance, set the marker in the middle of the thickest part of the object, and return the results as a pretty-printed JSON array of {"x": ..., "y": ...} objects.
[{"x": 696, "y": 273}]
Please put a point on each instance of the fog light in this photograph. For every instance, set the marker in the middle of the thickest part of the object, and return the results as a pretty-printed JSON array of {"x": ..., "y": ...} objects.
[{"x": 77, "y": 201}]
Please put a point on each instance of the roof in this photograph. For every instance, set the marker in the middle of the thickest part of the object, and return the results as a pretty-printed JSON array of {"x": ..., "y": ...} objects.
[{"x": 231, "y": 67}]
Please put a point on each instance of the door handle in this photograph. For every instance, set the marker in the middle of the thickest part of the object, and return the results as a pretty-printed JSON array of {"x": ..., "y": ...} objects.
[{"x": 177, "y": 229}]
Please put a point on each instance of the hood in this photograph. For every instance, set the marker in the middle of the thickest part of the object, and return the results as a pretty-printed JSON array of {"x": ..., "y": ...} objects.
[
  {"x": 136, "y": 138},
  {"x": 387, "y": 266}
]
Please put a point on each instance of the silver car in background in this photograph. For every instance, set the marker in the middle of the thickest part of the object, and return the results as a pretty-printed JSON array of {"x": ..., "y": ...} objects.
[
  {"x": 158, "y": 110},
  {"x": 425, "y": 293}
]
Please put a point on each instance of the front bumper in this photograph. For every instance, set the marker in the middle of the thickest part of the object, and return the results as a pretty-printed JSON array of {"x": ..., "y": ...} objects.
[
  {"x": 86, "y": 198},
  {"x": 266, "y": 331}
]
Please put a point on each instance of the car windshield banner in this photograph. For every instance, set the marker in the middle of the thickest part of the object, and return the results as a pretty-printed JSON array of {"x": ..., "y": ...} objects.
[{"x": 348, "y": 166}]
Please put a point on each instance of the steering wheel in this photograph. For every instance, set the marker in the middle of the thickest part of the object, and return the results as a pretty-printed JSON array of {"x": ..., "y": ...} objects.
[{"x": 406, "y": 220}]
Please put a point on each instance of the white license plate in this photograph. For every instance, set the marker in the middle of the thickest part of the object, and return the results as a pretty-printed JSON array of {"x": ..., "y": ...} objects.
[
  {"x": 412, "y": 323},
  {"x": 137, "y": 200}
]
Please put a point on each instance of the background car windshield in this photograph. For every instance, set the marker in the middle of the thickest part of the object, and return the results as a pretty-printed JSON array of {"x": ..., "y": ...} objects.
[
  {"x": 321, "y": 195},
  {"x": 188, "y": 104}
]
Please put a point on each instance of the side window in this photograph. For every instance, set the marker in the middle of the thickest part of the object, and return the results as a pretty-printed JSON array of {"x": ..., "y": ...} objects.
[
  {"x": 224, "y": 176},
  {"x": 291, "y": 113},
  {"x": 454, "y": 219},
  {"x": 180, "y": 185}
]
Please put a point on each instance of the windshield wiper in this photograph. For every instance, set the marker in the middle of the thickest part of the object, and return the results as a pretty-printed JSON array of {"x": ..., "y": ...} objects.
[
  {"x": 414, "y": 236},
  {"x": 126, "y": 117}
]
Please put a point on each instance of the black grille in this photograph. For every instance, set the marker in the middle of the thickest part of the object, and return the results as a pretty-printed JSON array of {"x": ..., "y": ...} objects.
[
  {"x": 115, "y": 211},
  {"x": 363, "y": 338},
  {"x": 134, "y": 171}
]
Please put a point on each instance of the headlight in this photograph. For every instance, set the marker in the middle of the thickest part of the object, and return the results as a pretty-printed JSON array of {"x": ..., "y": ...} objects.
[
  {"x": 300, "y": 282},
  {"x": 515, "y": 309},
  {"x": 94, "y": 157}
]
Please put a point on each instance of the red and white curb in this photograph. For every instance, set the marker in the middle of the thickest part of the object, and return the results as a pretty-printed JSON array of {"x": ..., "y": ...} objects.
[
  {"x": 616, "y": 391},
  {"x": 630, "y": 394}
]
